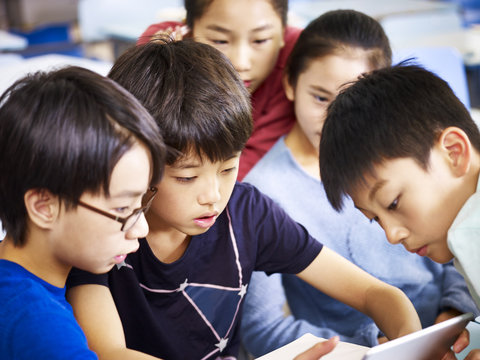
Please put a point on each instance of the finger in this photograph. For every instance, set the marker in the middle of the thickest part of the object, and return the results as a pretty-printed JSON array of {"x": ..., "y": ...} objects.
[
  {"x": 318, "y": 350},
  {"x": 473, "y": 355},
  {"x": 449, "y": 356},
  {"x": 462, "y": 341}
]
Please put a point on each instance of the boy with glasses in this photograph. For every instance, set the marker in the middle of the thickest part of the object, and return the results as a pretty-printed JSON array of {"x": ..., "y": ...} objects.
[{"x": 70, "y": 141}]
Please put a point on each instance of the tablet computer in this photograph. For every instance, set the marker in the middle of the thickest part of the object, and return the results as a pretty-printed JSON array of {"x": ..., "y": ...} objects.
[
  {"x": 426, "y": 344},
  {"x": 430, "y": 343}
]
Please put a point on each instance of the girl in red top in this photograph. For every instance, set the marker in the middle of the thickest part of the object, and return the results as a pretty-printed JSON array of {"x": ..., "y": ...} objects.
[{"x": 254, "y": 36}]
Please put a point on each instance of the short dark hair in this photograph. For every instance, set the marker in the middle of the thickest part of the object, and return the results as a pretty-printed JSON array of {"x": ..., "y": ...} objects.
[
  {"x": 396, "y": 112},
  {"x": 332, "y": 32},
  {"x": 196, "y": 8},
  {"x": 64, "y": 131},
  {"x": 194, "y": 94}
]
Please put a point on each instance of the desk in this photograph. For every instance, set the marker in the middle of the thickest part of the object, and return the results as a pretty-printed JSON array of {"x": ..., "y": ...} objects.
[{"x": 14, "y": 70}]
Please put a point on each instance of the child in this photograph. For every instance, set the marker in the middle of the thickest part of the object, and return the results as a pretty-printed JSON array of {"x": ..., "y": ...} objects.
[
  {"x": 255, "y": 37},
  {"x": 180, "y": 295},
  {"x": 407, "y": 151},
  {"x": 334, "y": 49},
  {"x": 69, "y": 142}
]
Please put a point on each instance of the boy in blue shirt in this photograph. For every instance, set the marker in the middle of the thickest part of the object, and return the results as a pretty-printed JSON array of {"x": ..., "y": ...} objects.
[
  {"x": 180, "y": 295},
  {"x": 70, "y": 141},
  {"x": 407, "y": 151}
]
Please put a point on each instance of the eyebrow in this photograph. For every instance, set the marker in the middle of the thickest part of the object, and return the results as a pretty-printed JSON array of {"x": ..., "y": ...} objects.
[
  {"x": 226, "y": 31},
  {"x": 322, "y": 89},
  {"x": 378, "y": 185},
  {"x": 192, "y": 165},
  {"x": 128, "y": 194}
]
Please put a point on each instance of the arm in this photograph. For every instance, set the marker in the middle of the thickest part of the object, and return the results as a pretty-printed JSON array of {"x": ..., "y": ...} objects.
[
  {"x": 265, "y": 326},
  {"x": 344, "y": 281},
  {"x": 96, "y": 313}
]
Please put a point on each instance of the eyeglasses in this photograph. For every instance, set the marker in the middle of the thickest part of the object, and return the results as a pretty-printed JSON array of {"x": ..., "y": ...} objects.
[{"x": 129, "y": 221}]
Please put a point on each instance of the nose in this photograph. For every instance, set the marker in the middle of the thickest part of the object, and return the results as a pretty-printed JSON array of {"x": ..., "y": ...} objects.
[
  {"x": 395, "y": 232},
  {"x": 210, "y": 193},
  {"x": 240, "y": 56},
  {"x": 139, "y": 230}
]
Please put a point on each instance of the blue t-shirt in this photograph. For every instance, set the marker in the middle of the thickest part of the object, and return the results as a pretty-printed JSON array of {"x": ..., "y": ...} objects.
[
  {"x": 36, "y": 322},
  {"x": 190, "y": 309}
]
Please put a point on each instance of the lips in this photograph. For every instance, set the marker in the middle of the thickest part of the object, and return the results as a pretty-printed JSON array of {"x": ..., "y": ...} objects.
[
  {"x": 422, "y": 251},
  {"x": 120, "y": 258},
  {"x": 206, "y": 221},
  {"x": 247, "y": 83}
]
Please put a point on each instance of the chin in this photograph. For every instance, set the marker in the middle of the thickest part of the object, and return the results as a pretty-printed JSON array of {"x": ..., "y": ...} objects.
[{"x": 443, "y": 258}]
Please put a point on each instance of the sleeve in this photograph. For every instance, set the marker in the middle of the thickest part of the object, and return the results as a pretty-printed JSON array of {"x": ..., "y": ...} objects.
[
  {"x": 52, "y": 335},
  {"x": 80, "y": 277},
  {"x": 265, "y": 326},
  {"x": 154, "y": 28},
  {"x": 282, "y": 245},
  {"x": 455, "y": 292}
]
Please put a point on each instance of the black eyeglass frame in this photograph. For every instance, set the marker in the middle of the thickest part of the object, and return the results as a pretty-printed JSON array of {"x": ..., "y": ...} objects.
[{"x": 123, "y": 220}]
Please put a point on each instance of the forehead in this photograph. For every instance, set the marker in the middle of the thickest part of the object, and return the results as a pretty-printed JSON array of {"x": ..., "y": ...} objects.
[
  {"x": 192, "y": 159},
  {"x": 337, "y": 69},
  {"x": 137, "y": 160},
  {"x": 390, "y": 172},
  {"x": 235, "y": 15}
]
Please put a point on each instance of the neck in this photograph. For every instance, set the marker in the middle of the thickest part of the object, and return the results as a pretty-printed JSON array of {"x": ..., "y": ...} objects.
[
  {"x": 167, "y": 243},
  {"x": 35, "y": 257},
  {"x": 303, "y": 151}
]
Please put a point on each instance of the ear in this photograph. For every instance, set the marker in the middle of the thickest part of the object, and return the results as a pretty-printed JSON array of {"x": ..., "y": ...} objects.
[
  {"x": 457, "y": 147},
  {"x": 289, "y": 90},
  {"x": 42, "y": 207}
]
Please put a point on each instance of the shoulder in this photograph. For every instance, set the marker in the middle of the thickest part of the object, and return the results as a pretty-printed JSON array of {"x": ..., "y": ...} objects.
[
  {"x": 154, "y": 28},
  {"x": 272, "y": 163}
]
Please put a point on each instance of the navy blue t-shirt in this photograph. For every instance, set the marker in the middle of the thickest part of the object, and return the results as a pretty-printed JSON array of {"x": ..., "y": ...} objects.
[{"x": 190, "y": 309}]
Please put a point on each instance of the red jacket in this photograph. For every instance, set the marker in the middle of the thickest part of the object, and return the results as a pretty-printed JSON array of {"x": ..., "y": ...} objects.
[{"x": 273, "y": 114}]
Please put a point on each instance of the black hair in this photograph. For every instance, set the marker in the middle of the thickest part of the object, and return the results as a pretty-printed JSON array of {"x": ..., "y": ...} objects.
[
  {"x": 64, "y": 131},
  {"x": 196, "y": 8},
  {"x": 332, "y": 32},
  {"x": 194, "y": 94},
  {"x": 396, "y": 112}
]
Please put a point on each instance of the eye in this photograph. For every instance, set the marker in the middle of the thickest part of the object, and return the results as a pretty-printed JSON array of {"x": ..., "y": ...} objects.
[
  {"x": 319, "y": 98},
  {"x": 393, "y": 205},
  {"x": 122, "y": 210},
  {"x": 260, "y": 41},
  {"x": 229, "y": 170},
  {"x": 219, "y": 42},
  {"x": 185, "y": 179}
]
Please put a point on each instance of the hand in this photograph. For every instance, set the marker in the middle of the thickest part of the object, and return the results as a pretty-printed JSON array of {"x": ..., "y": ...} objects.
[
  {"x": 318, "y": 350},
  {"x": 176, "y": 33},
  {"x": 382, "y": 339},
  {"x": 473, "y": 355},
  {"x": 460, "y": 344},
  {"x": 447, "y": 314}
]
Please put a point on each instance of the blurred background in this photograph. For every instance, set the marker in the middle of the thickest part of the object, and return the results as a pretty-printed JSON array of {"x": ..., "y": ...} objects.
[{"x": 444, "y": 35}]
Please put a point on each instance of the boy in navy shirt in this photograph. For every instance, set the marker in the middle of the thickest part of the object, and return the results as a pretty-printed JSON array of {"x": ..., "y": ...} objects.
[{"x": 180, "y": 296}]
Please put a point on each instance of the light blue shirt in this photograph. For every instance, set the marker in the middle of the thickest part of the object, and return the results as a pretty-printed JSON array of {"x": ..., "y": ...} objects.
[
  {"x": 430, "y": 286},
  {"x": 464, "y": 243}
]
